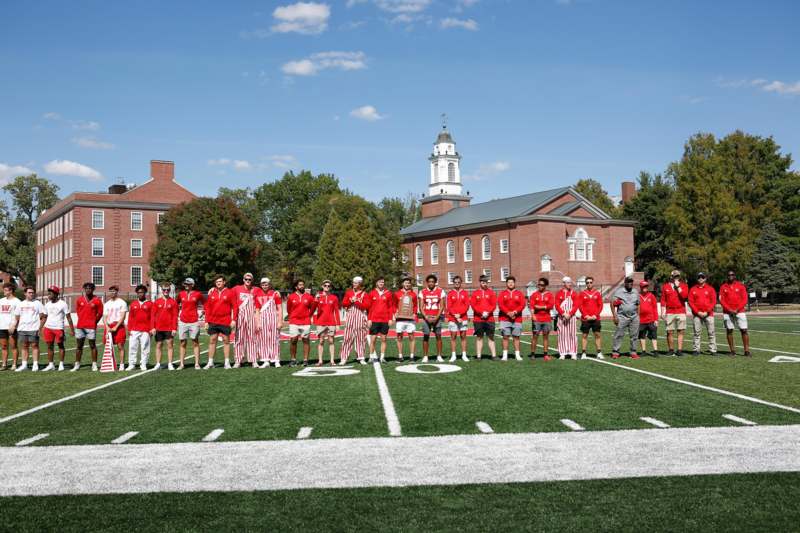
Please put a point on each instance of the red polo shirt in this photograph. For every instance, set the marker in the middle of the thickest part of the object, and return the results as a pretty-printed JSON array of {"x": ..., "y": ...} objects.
[
  {"x": 140, "y": 315},
  {"x": 545, "y": 298},
  {"x": 511, "y": 301},
  {"x": 732, "y": 297},
  {"x": 483, "y": 301},
  {"x": 219, "y": 306},
  {"x": 702, "y": 299},
  {"x": 674, "y": 300},
  {"x": 327, "y": 310},
  {"x": 299, "y": 307},
  {"x": 457, "y": 304},
  {"x": 381, "y": 307},
  {"x": 648, "y": 308},
  {"x": 188, "y": 302},
  {"x": 89, "y": 312}
]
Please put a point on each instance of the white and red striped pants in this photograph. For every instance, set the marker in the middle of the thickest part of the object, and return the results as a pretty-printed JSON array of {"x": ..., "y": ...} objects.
[
  {"x": 246, "y": 339},
  {"x": 355, "y": 333},
  {"x": 269, "y": 347},
  {"x": 567, "y": 335}
]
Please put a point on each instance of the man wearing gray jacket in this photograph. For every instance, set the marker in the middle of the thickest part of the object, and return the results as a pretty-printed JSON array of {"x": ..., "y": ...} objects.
[{"x": 625, "y": 309}]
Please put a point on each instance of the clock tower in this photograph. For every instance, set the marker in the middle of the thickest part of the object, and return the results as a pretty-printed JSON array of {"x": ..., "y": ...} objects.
[{"x": 445, "y": 191}]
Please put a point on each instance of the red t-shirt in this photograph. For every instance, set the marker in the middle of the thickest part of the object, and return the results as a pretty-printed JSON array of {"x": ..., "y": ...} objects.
[
  {"x": 219, "y": 306},
  {"x": 188, "y": 301},
  {"x": 511, "y": 301},
  {"x": 165, "y": 315},
  {"x": 431, "y": 300},
  {"x": 483, "y": 301},
  {"x": 140, "y": 315},
  {"x": 457, "y": 304},
  {"x": 733, "y": 297},
  {"x": 648, "y": 308},
  {"x": 702, "y": 299},
  {"x": 327, "y": 310},
  {"x": 674, "y": 300},
  {"x": 358, "y": 299},
  {"x": 299, "y": 307},
  {"x": 381, "y": 307},
  {"x": 398, "y": 297},
  {"x": 590, "y": 303},
  {"x": 89, "y": 312},
  {"x": 545, "y": 298}
]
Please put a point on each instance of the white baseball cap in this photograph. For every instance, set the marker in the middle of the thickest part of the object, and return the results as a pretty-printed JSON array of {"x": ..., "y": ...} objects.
[
  {"x": 358, "y": 279},
  {"x": 265, "y": 280}
]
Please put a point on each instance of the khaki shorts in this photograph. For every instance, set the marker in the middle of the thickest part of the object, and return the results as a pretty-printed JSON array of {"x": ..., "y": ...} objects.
[
  {"x": 325, "y": 330},
  {"x": 676, "y": 322},
  {"x": 737, "y": 319},
  {"x": 298, "y": 330},
  {"x": 188, "y": 330}
]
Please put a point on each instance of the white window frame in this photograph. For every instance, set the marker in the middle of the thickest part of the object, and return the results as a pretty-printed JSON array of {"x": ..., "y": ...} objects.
[
  {"x": 451, "y": 251},
  {"x": 102, "y": 224},
  {"x": 434, "y": 253},
  {"x": 451, "y": 172},
  {"x": 450, "y": 276},
  {"x": 141, "y": 221},
  {"x": 486, "y": 255},
  {"x": 102, "y": 246},
  {"x": 141, "y": 275},
  {"x": 419, "y": 256},
  {"x": 141, "y": 247},
  {"x": 159, "y": 216},
  {"x": 504, "y": 273},
  {"x": 488, "y": 273},
  {"x": 580, "y": 246},
  {"x": 467, "y": 250},
  {"x": 468, "y": 276},
  {"x": 503, "y": 246},
  {"x": 102, "y": 275},
  {"x": 419, "y": 280}
]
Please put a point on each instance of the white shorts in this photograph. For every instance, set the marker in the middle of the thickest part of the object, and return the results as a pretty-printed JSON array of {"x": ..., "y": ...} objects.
[
  {"x": 326, "y": 330},
  {"x": 739, "y": 319},
  {"x": 455, "y": 327},
  {"x": 405, "y": 326},
  {"x": 300, "y": 330},
  {"x": 190, "y": 330},
  {"x": 85, "y": 333}
]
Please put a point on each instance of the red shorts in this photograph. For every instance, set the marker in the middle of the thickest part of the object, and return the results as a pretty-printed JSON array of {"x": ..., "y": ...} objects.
[
  {"x": 119, "y": 335},
  {"x": 53, "y": 335}
]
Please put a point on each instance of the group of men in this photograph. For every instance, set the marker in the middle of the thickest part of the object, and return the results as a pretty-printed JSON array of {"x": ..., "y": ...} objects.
[{"x": 251, "y": 318}]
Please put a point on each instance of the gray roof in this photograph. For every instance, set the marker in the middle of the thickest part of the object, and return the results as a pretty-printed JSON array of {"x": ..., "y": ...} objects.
[
  {"x": 444, "y": 137},
  {"x": 490, "y": 211},
  {"x": 565, "y": 209}
]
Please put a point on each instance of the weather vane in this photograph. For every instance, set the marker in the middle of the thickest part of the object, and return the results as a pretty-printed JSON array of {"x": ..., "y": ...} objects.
[{"x": 444, "y": 121}]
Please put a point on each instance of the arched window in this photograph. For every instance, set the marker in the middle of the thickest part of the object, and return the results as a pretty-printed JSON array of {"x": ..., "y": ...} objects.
[
  {"x": 451, "y": 252},
  {"x": 467, "y": 249},
  {"x": 581, "y": 247},
  {"x": 486, "y": 247},
  {"x": 418, "y": 255},
  {"x": 451, "y": 172},
  {"x": 434, "y": 253}
]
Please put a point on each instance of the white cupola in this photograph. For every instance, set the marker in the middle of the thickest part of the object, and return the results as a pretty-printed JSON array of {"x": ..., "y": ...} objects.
[{"x": 445, "y": 169}]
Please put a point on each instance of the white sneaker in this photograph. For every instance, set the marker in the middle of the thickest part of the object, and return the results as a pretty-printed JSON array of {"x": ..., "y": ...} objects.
[
  {"x": 61, "y": 366},
  {"x": 209, "y": 365},
  {"x": 341, "y": 363},
  {"x": 453, "y": 358},
  {"x": 131, "y": 366},
  {"x": 574, "y": 356},
  {"x": 464, "y": 358},
  {"x": 121, "y": 367},
  {"x": 94, "y": 367},
  {"x": 49, "y": 367},
  {"x": 383, "y": 358},
  {"x": 237, "y": 365},
  {"x": 518, "y": 357},
  {"x": 439, "y": 359},
  {"x": 362, "y": 361},
  {"x": 278, "y": 364},
  {"x": 180, "y": 367},
  {"x": 143, "y": 367},
  {"x": 170, "y": 366},
  {"x": 76, "y": 367},
  {"x": 561, "y": 357},
  {"x": 373, "y": 358},
  {"x": 227, "y": 364},
  {"x": 35, "y": 367},
  {"x": 23, "y": 366},
  {"x": 504, "y": 358},
  {"x": 584, "y": 356},
  {"x": 156, "y": 366},
  {"x": 265, "y": 364},
  {"x": 600, "y": 355},
  {"x": 424, "y": 359}
]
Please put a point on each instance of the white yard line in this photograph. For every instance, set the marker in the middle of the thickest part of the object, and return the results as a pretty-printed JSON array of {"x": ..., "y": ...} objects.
[
  {"x": 739, "y": 420},
  {"x": 125, "y": 437},
  {"x": 699, "y": 386},
  {"x": 304, "y": 432},
  {"x": 78, "y": 394},
  {"x": 483, "y": 427},
  {"x": 655, "y": 422},
  {"x": 778, "y": 332},
  {"x": 571, "y": 424},
  {"x": 397, "y": 462},
  {"x": 31, "y": 440},
  {"x": 766, "y": 350},
  {"x": 386, "y": 399},
  {"x": 214, "y": 435}
]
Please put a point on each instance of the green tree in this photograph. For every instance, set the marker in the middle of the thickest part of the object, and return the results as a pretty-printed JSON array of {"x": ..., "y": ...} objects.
[
  {"x": 349, "y": 248},
  {"x": 593, "y": 191},
  {"x": 201, "y": 239},
  {"x": 328, "y": 265},
  {"x": 30, "y": 195},
  {"x": 773, "y": 267}
]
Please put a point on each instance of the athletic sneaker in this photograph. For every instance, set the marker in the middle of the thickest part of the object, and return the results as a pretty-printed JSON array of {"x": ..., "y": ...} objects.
[
  {"x": 439, "y": 359},
  {"x": 131, "y": 366},
  {"x": 679, "y": 353},
  {"x": 75, "y": 367},
  {"x": 748, "y": 354},
  {"x": 584, "y": 356},
  {"x": 197, "y": 366},
  {"x": 341, "y": 363},
  {"x": 518, "y": 357},
  {"x": 383, "y": 358},
  {"x": 156, "y": 366},
  {"x": 94, "y": 367},
  {"x": 453, "y": 358},
  {"x": 362, "y": 361},
  {"x": 546, "y": 357},
  {"x": 561, "y": 357},
  {"x": 49, "y": 367},
  {"x": 35, "y": 367},
  {"x": 696, "y": 353},
  {"x": 170, "y": 366},
  {"x": 504, "y": 358},
  {"x": 464, "y": 358},
  {"x": 277, "y": 364},
  {"x": 238, "y": 365},
  {"x": 373, "y": 358},
  {"x": 265, "y": 364},
  {"x": 23, "y": 366},
  {"x": 574, "y": 356},
  {"x": 180, "y": 367},
  {"x": 600, "y": 355},
  {"x": 209, "y": 365},
  {"x": 143, "y": 367},
  {"x": 634, "y": 355},
  {"x": 424, "y": 359},
  {"x": 614, "y": 356},
  {"x": 61, "y": 366}
]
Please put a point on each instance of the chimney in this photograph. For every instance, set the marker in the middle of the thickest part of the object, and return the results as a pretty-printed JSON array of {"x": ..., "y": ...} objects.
[
  {"x": 162, "y": 170},
  {"x": 628, "y": 191}
]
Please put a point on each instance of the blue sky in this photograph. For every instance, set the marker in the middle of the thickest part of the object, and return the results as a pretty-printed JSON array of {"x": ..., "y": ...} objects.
[{"x": 539, "y": 93}]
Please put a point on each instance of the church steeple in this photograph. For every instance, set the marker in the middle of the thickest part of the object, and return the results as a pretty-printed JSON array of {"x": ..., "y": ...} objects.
[{"x": 445, "y": 190}]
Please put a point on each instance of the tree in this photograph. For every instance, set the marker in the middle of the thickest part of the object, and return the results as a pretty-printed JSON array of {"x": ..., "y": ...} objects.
[
  {"x": 349, "y": 248},
  {"x": 648, "y": 208},
  {"x": 201, "y": 239},
  {"x": 328, "y": 265},
  {"x": 773, "y": 267},
  {"x": 593, "y": 191},
  {"x": 30, "y": 196}
]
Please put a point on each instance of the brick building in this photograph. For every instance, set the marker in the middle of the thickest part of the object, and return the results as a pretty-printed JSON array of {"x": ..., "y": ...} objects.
[
  {"x": 549, "y": 233},
  {"x": 105, "y": 237}
]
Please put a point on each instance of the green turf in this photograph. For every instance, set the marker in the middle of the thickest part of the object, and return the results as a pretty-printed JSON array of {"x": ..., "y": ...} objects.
[{"x": 732, "y": 503}]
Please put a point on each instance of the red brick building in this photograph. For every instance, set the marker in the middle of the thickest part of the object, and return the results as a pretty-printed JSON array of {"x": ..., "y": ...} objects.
[
  {"x": 549, "y": 233},
  {"x": 105, "y": 237}
]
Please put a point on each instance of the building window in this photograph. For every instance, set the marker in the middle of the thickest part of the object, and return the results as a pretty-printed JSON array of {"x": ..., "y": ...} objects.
[
  {"x": 503, "y": 246},
  {"x": 98, "y": 220},
  {"x": 486, "y": 247},
  {"x": 419, "y": 280},
  {"x": 467, "y": 250},
  {"x": 488, "y": 273},
  {"x": 580, "y": 246},
  {"x": 434, "y": 253},
  {"x": 136, "y": 276},
  {"x": 418, "y": 255},
  {"x": 159, "y": 217},
  {"x": 451, "y": 252},
  {"x": 451, "y": 172},
  {"x": 468, "y": 276},
  {"x": 98, "y": 275},
  {"x": 136, "y": 247},
  {"x": 504, "y": 273},
  {"x": 136, "y": 221},
  {"x": 450, "y": 276},
  {"x": 98, "y": 247}
]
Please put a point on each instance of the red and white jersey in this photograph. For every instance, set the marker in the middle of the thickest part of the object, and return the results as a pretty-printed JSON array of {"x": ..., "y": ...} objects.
[
  {"x": 432, "y": 301},
  {"x": 165, "y": 315},
  {"x": 326, "y": 312},
  {"x": 381, "y": 307},
  {"x": 89, "y": 312},
  {"x": 114, "y": 310},
  {"x": 189, "y": 302},
  {"x": 457, "y": 304},
  {"x": 140, "y": 315},
  {"x": 299, "y": 307}
]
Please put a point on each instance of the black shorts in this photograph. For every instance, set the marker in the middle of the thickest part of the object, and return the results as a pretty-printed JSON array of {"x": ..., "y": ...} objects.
[
  {"x": 379, "y": 328},
  {"x": 163, "y": 336},
  {"x": 4, "y": 334},
  {"x": 648, "y": 331},
  {"x": 590, "y": 325},
  {"x": 219, "y": 329},
  {"x": 484, "y": 328}
]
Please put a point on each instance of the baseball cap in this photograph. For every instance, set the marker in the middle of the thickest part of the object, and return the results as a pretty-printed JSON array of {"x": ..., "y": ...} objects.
[
  {"x": 54, "y": 288},
  {"x": 644, "y": 283},
  {"x": 265, "y": 280},
  {"x": 701, "y": 275},
  {"x": 566, "y": 279},
  {"x": 675, "y": 273},
  {"x": 358, "y": 279},
  {"x": 188, "y": 281},
  {"x": 628, "y": 278}
]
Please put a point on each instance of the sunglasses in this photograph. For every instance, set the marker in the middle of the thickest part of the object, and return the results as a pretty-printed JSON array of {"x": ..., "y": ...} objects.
[{"x": 248, "y": 279}]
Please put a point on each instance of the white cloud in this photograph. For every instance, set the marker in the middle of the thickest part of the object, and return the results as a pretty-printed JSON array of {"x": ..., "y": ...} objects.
[
  {"x": 467, "y": 24},
  {"x": 221, "y": 161},
  {"x": 403, "y": 6},
  {"x": 52, "y": 116},
  {"x": 488, "y": 170},
  {"x": 303, "y": 17},
  {"x": 92, "y": 143},
  {"x": 776, "y": 86},
  {"x": 366, "y": 112},
  {"x": 89, "y": 125},
  {"x": 780, "y": 87},
  {"x": 239, "y": 164},
  {"x": 283, "y": 161},
  {"x": 461, "y": 5},
  {"x": 7, "y": 172},
  {"x": 63, "y": 167},
  {"x": 236, "y": 164},
  {"x": 325, "y": 60}
]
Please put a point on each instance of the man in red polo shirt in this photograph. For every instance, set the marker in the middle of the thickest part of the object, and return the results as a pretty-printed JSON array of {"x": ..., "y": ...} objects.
[
  {"x": 89, "y": 309},
  {"x": 457, "y": 319},
  {"x": 219, "y": 320},
  {"x": 702, "y": 299},
  {"x": 379, "y": 317},
  {"x": 165, "y": 325},
  {"x": 326, "y": 318},
  {"x": 733, "y": 299},
  {"x": 189, "y": 301},
  {"x": 590, "y": 304},
  {"x": 299, "y": 308},
  {"x": 483, "y": 302},
  {"x": 511, "y": 303},
  {"x": 140, "y": 323},
  {"x": 673, "y": 310},
  {"x": 541, "y": 303},
  {"x": 648, "y": 318}
]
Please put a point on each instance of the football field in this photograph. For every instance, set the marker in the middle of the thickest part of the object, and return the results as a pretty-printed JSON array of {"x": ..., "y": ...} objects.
[{"x": 659, "y": 443}]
